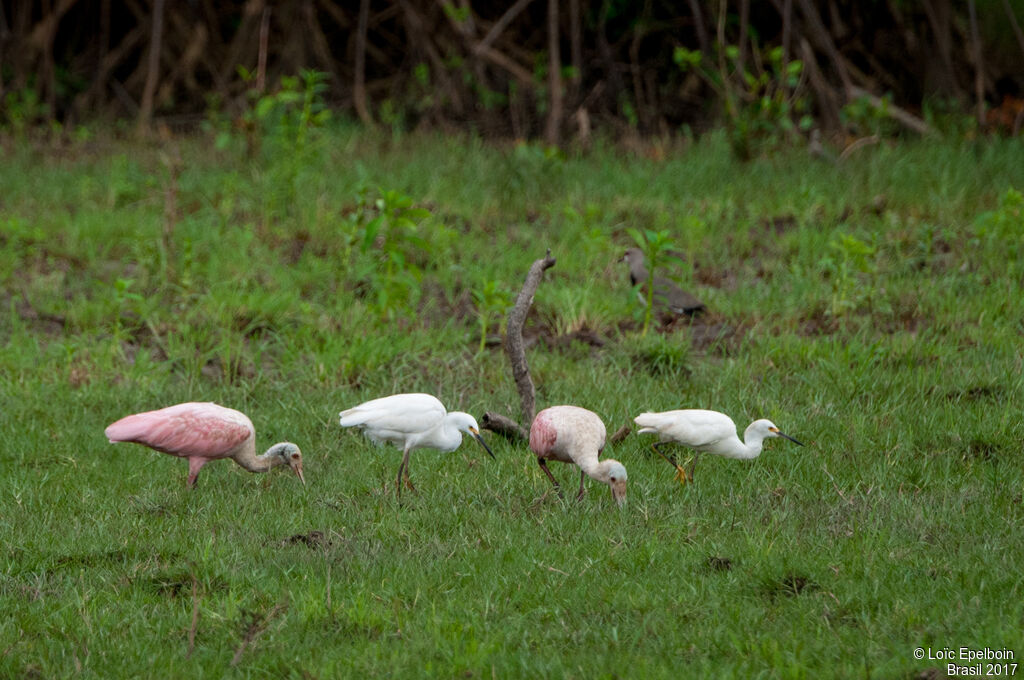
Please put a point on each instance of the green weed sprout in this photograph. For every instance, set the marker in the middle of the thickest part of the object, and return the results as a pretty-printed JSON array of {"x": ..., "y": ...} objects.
[
  {"x": 490, "y": 302},
  {"x": 655, "y": 246},
  {"x": 851, "y": 256}
]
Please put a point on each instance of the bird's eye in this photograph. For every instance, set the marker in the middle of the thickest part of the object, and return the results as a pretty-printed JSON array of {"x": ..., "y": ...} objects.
[
  {"x": 295, "y": 456},
  {"x": 613, "y": 479}
]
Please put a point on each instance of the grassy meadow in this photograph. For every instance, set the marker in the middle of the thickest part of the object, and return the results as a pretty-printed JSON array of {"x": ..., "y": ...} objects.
[{"x": 873, "y": 309}]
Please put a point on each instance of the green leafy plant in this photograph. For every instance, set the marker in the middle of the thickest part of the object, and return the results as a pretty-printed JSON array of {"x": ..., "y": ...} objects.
[
  {"x": 490, "y": 303},
  {"x": 763, "y": 106},
  {"x": 124, "y": 301},
  {"x": 386, "y": 228},
  {"x": 850, "y": 258},
  {"x": 21, "y": 111},
  {"x": 655, "y": 246}
]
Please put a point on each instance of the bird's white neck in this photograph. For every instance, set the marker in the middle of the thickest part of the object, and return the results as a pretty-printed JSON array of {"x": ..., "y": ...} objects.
[
  {"x": 753, "y": 442},
  {"x": 449, "y": 436},
  {"x": 248, "y": 458},
  {"x": 595, "y": 469}
]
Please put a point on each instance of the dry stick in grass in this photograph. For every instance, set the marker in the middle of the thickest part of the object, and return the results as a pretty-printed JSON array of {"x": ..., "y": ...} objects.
[
  {"x": 516, "y": 351},
  {"x": 514, "y": 335},
  {"x": 620, "y": 434},
  {"x": 254, "y": 630},
  {"x": 499, "y": 424}
]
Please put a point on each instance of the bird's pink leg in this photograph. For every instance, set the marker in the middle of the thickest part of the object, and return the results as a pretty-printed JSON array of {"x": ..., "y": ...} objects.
[
  {"x": 195, "y": 463},
  {"x": 579, "y": 496},
  {"x": 544, "y": 466}
]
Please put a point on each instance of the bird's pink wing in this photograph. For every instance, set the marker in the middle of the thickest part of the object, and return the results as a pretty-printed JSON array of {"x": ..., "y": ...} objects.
[
  {"x": 542, "y": 434},
  {"x": 193, "y": 429}
]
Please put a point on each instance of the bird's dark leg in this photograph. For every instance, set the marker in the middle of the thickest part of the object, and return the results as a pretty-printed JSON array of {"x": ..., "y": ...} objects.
[
  {"x": 579, "y": 496},
  {"x": 402, "y": 469},
  {"x": 544, "y": 466},
  {"x": 680, "y": 471},
  {"x": 693, "y": 466},
  {"x": 657, "y": 449}
]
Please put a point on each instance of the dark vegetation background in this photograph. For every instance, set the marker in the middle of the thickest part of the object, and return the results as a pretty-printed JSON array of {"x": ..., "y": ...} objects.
[{"x": 556, "y": 69}]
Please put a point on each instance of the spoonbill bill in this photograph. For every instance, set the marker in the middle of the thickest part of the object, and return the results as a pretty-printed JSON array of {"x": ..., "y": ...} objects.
[
  {"x": 706, "y": 432},
  {"x": 412, "y": 421},
  {"x": 202, "y": 432},
  {"x": 571, "y": 434}
]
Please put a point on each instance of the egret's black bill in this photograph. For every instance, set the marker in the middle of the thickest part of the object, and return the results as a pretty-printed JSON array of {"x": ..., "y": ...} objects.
[
  {"x": 484, "y": 444},
  {"x": 783, "y": 434}
]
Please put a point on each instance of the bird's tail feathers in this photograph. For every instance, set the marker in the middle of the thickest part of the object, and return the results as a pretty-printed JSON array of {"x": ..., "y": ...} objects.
[
  {"x": 128, "y": 429},
  {"x": 648, "y": 422},
  {"x": 353, "y": 417}
]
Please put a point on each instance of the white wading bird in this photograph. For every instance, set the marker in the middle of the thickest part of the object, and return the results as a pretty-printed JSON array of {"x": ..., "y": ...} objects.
[
  {"x": 571, "y": 434},
  {"x": 412, "y": 421},
  {"x": 706, "y": 431}
]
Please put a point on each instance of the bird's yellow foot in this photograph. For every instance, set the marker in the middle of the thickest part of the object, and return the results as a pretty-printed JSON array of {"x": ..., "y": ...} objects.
[{"x": 682, "y": 476}]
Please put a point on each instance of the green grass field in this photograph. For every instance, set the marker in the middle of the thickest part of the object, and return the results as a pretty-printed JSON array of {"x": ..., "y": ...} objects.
[{"x": 872, "y": 309}]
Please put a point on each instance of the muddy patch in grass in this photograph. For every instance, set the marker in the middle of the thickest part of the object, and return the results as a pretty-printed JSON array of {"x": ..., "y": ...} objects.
[
  {"x": 91, "y": 560},
  {"x": 817, "y": 323},
  {"x": 314, "y": 539},
  {"x": 977, "y": 393},
  {"x": 175, "y": 584},
  {"x": 980, "y": 449},
  {"x": 790, "y": 585}
]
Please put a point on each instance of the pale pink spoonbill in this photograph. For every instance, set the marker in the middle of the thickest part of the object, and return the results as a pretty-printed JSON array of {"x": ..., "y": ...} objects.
[
  {"x": 412, "y": 421},
  {"x": 706, "y": 431},
  {"x": 203, "y": 432},
  {"x": 571, "y": 434}
]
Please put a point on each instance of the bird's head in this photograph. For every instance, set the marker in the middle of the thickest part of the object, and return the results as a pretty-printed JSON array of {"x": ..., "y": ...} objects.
[
  {"x": 614, "y": 473},
  {"x": 467, "y": 423},
  {"x": 767, "y": 429},
  {"x": 291, "y": 456},
  {"x": 634, "y": 257}
]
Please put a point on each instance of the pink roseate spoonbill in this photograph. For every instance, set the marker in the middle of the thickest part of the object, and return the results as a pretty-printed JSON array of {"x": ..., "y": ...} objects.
[
  {"x": 571, "y": 434},
  {"x": 412, "y": 421},
  {"x": 203, "y": 432},
  {"x": 706, "y": 432}
]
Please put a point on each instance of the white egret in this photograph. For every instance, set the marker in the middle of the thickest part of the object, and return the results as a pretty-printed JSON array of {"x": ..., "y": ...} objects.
[
  {"x": 412, "y": 421},
  {"x": 706, "y": 432}
]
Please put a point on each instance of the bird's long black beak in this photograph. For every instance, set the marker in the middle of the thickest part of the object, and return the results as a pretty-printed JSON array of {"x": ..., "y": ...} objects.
[
  {"x": 476, "y": 435},
  {"x": 783, "y": 434}
]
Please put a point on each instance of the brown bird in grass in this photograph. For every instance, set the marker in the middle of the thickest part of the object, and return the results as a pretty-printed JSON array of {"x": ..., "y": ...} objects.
[{"x": 669, "y": 299}]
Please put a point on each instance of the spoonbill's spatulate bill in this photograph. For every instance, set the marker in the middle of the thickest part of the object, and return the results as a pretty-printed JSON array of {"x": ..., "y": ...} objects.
[
  {"x": 202, "y": 432},
  {"x": 706, "y": 432},
  {"x": 412, "y": 421},
  {"x": 571, "y": 434}
]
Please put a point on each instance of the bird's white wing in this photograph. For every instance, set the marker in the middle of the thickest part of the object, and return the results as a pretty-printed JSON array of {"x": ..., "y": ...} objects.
[
  {"x": 693, "y": 427},
  {"x": 399, "y": 413}
]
